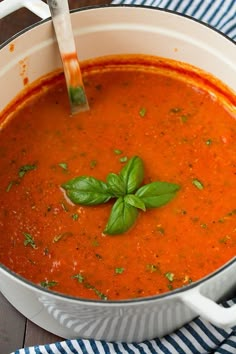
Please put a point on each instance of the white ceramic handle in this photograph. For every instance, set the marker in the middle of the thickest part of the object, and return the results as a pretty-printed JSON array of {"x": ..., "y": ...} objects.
[
  {"x": 210, "y": 310},
  {"x": 38, "y": 7}
]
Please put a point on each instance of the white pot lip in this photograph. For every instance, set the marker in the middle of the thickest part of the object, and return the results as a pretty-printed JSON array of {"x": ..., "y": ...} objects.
[
  {"x": 167, "y": 294},
  {"x": 87, "y": 8}
]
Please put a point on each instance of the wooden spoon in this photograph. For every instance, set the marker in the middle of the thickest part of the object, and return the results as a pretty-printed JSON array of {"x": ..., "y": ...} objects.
[{"x": 63, "y": 29}]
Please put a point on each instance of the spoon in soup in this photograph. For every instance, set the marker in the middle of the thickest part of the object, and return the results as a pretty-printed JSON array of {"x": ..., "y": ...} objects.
[{"x": 60, "y": 14}]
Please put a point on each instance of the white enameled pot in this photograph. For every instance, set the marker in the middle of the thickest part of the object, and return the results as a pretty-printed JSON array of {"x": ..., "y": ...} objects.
[{"x": 115, "y": 30}]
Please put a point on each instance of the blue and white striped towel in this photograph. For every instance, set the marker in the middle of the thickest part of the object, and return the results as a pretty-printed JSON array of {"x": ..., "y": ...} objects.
[
  {"x": 220, "y": 14},
  {"x": 198, "y": 336}
]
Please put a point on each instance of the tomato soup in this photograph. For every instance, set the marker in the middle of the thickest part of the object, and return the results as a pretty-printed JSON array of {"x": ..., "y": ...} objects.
[{"x": 179, "y": 121}]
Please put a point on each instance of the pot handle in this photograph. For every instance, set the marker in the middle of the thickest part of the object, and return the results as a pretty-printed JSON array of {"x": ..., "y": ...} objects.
[
  {"x": 38, "y": 7},
  {"x": 209, "y": 310}
]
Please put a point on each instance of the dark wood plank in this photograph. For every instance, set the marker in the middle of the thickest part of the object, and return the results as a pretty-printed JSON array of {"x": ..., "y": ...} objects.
[
  {"x": 16, "y": 22},
  {"x": 75, "y": 4},
  {"x": 12, "y": 327},
  {"x": 35, "y": 335},
  {"x": 23, "y": 18}
]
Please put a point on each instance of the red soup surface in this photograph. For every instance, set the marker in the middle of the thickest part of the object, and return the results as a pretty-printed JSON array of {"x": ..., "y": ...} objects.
[{"x": 179, "y": 121}]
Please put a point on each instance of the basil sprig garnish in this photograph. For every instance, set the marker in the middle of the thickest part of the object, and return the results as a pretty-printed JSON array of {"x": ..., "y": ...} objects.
[{"x": 126, "y": 188}]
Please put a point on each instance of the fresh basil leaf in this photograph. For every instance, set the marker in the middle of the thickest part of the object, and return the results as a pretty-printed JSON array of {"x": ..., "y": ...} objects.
[
  {"x": 77, "y": 95},
  {"x": 93, "y": 163},
  {"x": 156, "y": 194},
  {"x": 135, "y": 201},
  {"x": 132, "y": 174},
  {"x": 122, "y": 217},
  {"x": 79, "y": 277},
  {"x": 63, "y": 165},
  {"x": 142, "y": 112},
  {"x": 197, "y": 183},
  {"x": 48, "y": 283},
  {"x": 24, "y": 169},
  {"x": 116, "y": 185},
  {"x": 117, "y": 151},
  {"x": 119, "y": 270},
  {"x": 10, "y": 185},
  {"x": 170, "y": 276},
  {"x": 61, "y": 236},
  {"x": 123, "y": 159},
  {"x": 87, "y": 191},
  {"x": 29, "y": 240}
]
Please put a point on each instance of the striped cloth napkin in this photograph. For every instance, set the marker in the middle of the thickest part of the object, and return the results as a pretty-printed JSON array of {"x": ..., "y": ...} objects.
[
  {"x": 198, "y": 336},
  {"x": 220, "y": 14}
]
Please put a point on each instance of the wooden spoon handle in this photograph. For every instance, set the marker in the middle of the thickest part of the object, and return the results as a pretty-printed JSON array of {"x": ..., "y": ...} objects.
[{"x": 63, "y": 29}]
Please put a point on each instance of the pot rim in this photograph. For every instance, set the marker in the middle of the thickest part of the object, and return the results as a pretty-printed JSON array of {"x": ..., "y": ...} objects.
[
  {"x": 92, "y": 7},
  {"x": 108, "y": 302}
]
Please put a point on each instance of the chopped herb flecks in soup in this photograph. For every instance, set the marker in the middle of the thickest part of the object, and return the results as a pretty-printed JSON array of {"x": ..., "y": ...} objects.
[{"x": 133, "y": 198}]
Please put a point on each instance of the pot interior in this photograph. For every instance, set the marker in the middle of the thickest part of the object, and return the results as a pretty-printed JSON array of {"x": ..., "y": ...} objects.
[{"x": 116, "y": 30}]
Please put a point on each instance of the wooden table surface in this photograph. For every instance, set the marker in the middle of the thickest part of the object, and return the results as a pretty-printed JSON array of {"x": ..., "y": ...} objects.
[{"x": 15, "y": 330}]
